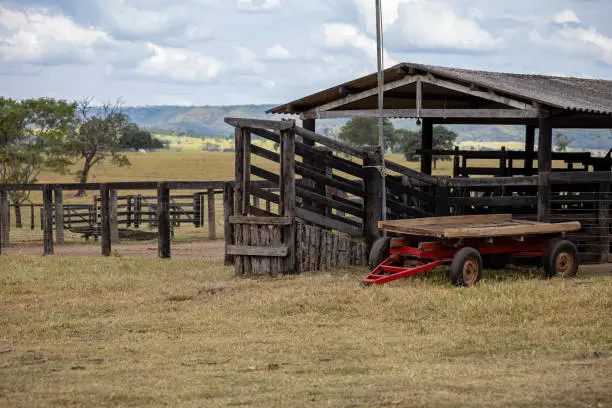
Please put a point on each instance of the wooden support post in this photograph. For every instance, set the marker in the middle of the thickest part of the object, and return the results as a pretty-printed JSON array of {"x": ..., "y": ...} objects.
[
  {"x": 95, "y": 208},
  {"x": 503, "y": 170},
  {"x": 197, "y": 210},
  {"x": 212, "y": 232},
  {"x": 42, "y": 217},
  {"x": 163, "y": 220},
  {"x": 544, "y": 166},
  {"x": 442, "y": 207},
  {"x": 456, "y": 162},
  {"x": 373, "y": 198},
  {"x": 529, "y": 149},
  {"x": 129, "y": 211},
  {"x": 308, "y": 159},
  {"x": 105, "y": 219},
  {"x": 114, "y": 218},
  {"x": 287, "y": 195},
  {"x": 137, "y": 211},
  {"x": 426, "y": 144},
  {"x": 604, "y": 220},
  {"x": 32, "y": 218},
  {"x": 228, "y": 211},
  {"x": 4, "y": 217},
  {"x": 242, "y": 172},
  {"x": 48, "y": 219},
  {"x": 59, "y": 216}
]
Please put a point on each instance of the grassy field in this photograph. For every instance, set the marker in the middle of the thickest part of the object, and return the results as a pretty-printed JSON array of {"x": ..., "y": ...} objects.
[{"x": 125, "y": 332}]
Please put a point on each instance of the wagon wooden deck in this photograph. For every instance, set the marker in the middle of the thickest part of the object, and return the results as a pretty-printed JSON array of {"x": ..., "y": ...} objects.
[
  {"x": 475, "y": 226},
  {"x": 469, "y": 243}
]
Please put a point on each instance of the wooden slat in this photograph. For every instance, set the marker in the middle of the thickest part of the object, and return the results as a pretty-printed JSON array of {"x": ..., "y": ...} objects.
[
  {"x": 257, "y": 251},
  {"x": 464, "y": 219},
  {"x": 504, "y": 231},
  {"x": 260, "y": 123},
  {"x": 495, "y": 201},
  {"x": 325, "y": 141},
  {"x": 240, "y": 219},
  {"x": 497, "y": 181},
  {"x": 326, "y": 222},
  {"x": 427, "y": 113}
]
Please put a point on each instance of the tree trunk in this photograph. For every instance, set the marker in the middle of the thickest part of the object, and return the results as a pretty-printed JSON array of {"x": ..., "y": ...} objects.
[
  {"x": 18, "y": 222},
  {"x": 84, "y": 175}
]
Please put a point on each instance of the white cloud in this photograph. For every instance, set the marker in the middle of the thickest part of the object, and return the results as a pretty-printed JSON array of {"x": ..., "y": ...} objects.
[
  {"x": 278, "y": 53},
  {"x": 179, "y": 64},
  {"x": 133, "y": 20},
  {"x": 248, "y": 62},
  {"x": 432, "y": 25},
  {"x": 259, "y": 5},
  {"x": 566, "y": 16},
  {"x": 390, "y": 13},
  {"x": 586, "y": 42},
  {"x": 347, "y": 36},
  {"x": 35, "y": 36}
]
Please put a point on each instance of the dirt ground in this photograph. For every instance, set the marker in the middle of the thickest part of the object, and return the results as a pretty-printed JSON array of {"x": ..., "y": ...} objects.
[{"x": 183, "y": 250}]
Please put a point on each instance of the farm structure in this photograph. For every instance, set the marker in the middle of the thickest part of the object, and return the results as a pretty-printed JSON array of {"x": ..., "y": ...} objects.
[{"x": 336, "y": 187}]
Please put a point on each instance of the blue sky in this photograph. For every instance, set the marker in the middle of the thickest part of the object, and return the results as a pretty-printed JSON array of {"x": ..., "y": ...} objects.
[{"x": 198, "y": 52}]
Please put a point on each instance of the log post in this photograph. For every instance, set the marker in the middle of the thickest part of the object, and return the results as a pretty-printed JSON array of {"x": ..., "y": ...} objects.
[
  {"x": 503, "y": 170},
  {"x": 242, "y": 170},
  {"x": 426, "y": 144},
  {"x": 308, "y": 159},
  {"x": 456, "y": 162},
  {"x": 228, "y": 211},
  {"x": 529, "y": 149},
  {"x": 59, "y": 216},
  {"x": 212, "y": 232},
  {"x": 105, "y": 219},
  {"x": 32, "y": 218},
  {"x": 544, "y": 166},
  {"x": 114, "y": 218},
  {"x": 129, "y": 211},
  {"x": 197, "y": 210},
  {"x": 442, "y": 207},
  {"x": 604, "y": 220},
  {"x": 287, "y": 194},
  {"x": 163, "y": 220},
  {"x": 4, "y": 217},
  {"x": 48, "y": 219},
  {"x": 137, "y": 211},
  {"x": 373, "y": 194}
]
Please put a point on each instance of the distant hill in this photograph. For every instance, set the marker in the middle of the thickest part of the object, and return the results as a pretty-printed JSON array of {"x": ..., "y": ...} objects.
[{"x": 208, "y": 121}]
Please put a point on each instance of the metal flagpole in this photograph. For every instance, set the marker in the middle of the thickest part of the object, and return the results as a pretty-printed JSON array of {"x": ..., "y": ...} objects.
[{"x": 381, "y": 82}]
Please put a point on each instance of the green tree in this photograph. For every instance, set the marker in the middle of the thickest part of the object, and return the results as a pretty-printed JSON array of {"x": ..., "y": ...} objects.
[
  {"x": 98, "y": 136},
  {"x": 443, "y": 139},
  {"x": 32, "y": 136},
  {"x": 133, "y": 137},
  {"x": 561, "y": 142},
  {"x": 364, "y": 131}
]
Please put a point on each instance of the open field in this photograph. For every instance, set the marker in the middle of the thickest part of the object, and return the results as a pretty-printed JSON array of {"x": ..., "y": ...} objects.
[{"x": 126, "y": 332}]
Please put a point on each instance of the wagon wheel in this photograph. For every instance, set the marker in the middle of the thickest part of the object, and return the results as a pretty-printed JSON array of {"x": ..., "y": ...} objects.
[
  {"x": 381, "y": 250},
  {"x": 466, "y": 268},
  {"x": 561, "y": 259}
]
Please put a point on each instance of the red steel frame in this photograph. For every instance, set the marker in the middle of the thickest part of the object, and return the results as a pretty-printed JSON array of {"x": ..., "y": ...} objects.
[{"x": 441, "y": 253}]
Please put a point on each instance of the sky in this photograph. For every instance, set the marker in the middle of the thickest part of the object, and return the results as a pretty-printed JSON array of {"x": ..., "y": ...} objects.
[{"x": 229, "y": 52}]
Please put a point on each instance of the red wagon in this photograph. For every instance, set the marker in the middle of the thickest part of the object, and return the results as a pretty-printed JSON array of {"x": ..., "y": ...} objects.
[{"x": 469, "y": 244}]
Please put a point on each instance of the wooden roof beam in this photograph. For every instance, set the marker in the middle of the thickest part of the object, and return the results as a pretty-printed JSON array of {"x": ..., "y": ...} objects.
[{"x": 428, "y": 113}]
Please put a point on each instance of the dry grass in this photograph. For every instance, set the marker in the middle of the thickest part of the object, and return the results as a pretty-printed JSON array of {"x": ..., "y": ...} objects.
[{"x": 124, "y": 332}]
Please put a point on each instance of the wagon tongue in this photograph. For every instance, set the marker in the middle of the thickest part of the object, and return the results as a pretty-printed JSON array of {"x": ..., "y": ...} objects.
[{"x": 385, "y": 272}]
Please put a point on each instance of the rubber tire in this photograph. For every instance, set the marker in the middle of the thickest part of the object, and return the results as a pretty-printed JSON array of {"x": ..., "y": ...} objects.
[
  {"x": 459, "y": 261},
  {"x": 381, "y": 250},
  {"x": 495, "y": 261},
  {"x": 550, "y": 259}
]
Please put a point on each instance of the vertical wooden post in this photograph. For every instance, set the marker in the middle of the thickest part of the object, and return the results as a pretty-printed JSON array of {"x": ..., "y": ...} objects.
[
  {"x": 163, "y": 220},
  {"x": 95, "y": 208},
  {"x": 309, "y": 160},
  {"x": 426, "y": 144},
  {"x": 129, "y": 211},
  {"x": 4, "y": 217},
  {"x": 246, "y": 187},
  {"x": 197, "y": 210},
  {"x": 114, "y": 218},
  {"x": 42, "y": 218},
  {"x": 105, "y": 219},
  {"x": 137, "y": 211},
  {"x": 604, "y": 220},
  {"x": 456, "y": 162},
  {"x": 503, "y": 170},
  {"x": 59, "y": 216},
  {"x": 32, "y": 219},
  {"x": 529, "y": 149},
  {"x": 228, "y": 211},
  {"x": 287, "y": 194},
  {"x": 373, "y": 198},
  {"x": 544, "y": 166},
  {"x": 239, "y": 170},
  {"x": 48, "y": 219},
  {"x": 212, "y": 232},
  {"x": 442, "y": 208}
]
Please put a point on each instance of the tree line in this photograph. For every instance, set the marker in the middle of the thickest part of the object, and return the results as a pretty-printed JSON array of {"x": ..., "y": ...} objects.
[{"x": 49, "y": 134}]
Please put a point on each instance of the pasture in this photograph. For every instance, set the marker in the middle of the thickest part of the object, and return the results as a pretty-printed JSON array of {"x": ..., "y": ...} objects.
[{"x": 127, "y": 332}]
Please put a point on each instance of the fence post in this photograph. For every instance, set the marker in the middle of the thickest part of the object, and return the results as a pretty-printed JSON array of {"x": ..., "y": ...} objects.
[
  {"x": 456, "y": 162},
  {"x": 32, "y": 219},
  {"x": 48, "y": 219},
  {"x": 94, "y": 220},
  {"x": 228, "y": 211},
  {"x": 441, "y": 206},
  {"x": 503, "y": 169},
  {"x": 137, "y": 211},
  {"x": 105, "y": 219},
  {"x": 604, "y": 220},
  {"x": 163, "y": 220},
  {"x": 114, "y": 218},
  {"x": 4, "y": 217},
  {"x": 59, "y": 216},
  {"x": 373, "y": 198},
  {"x": 544, "y": 166},
  {"x": 212, "y": 231},
  {"x": 42, "y": 217},
  {"x": 287, "y": 194},
  {"x": 129, "y": 211},
  {"x": 197, "y": 210}
]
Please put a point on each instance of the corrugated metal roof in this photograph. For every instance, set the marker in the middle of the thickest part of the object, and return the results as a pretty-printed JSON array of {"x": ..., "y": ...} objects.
[{"x": 576, "y": 94}]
